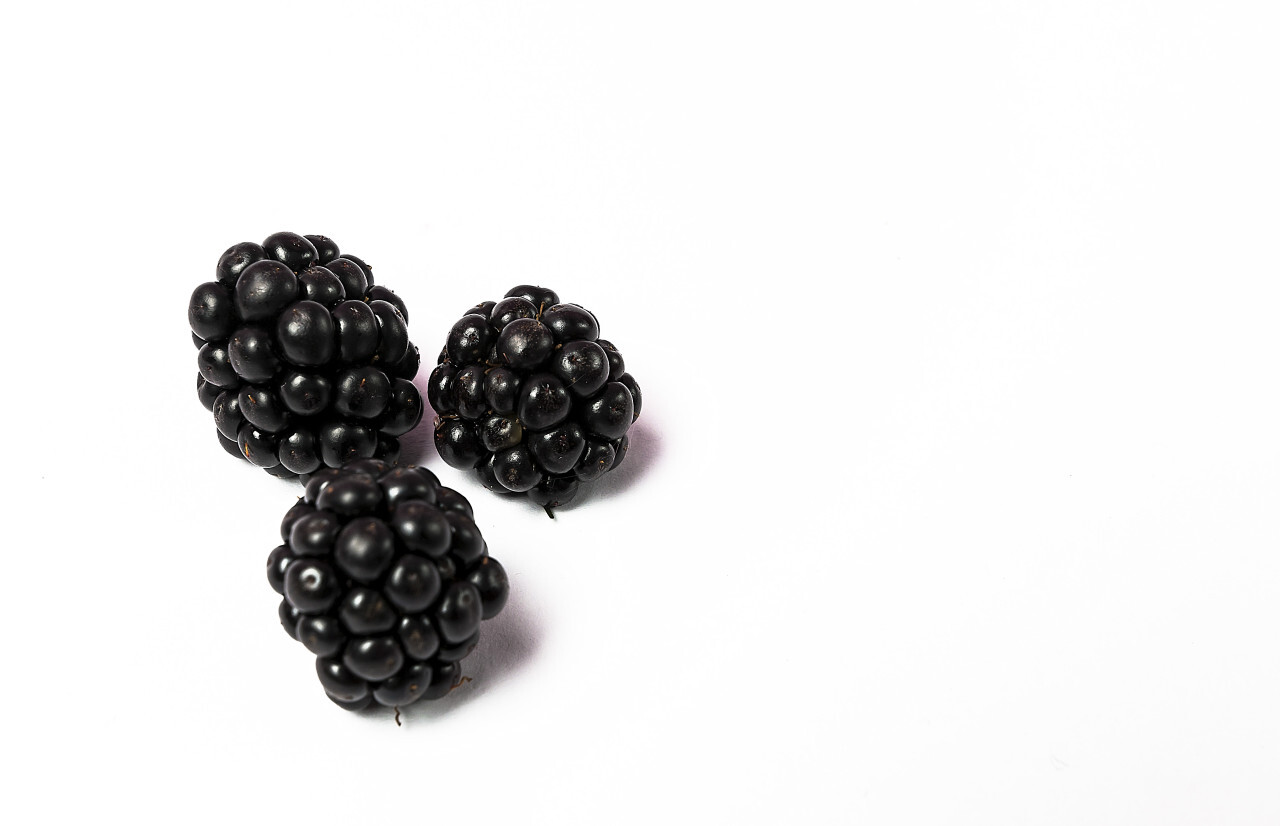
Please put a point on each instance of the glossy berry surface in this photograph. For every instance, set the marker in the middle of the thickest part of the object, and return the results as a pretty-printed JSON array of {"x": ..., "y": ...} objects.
[
  {"x": 385, "y": 579},
  {"x": 530, "y": 397},
  {"x": 302, "y": 360}
]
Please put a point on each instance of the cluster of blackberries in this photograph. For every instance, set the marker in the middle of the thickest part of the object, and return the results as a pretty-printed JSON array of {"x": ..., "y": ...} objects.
[
  {"x": 385, "y": 578},
  {"x": 308, "y": 370},
  {"x": 531, "y": 397},
  {"x": 303, "y": 361}
]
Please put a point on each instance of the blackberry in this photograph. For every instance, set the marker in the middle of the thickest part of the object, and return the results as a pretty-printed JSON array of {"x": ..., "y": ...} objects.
[
  {"x": 303, "y": 361},
  {"x": 385, "y": 578},
  {"x": 530, "y": 397}
]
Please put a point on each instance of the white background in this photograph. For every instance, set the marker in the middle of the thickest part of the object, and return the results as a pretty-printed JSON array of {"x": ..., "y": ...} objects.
[{"x": 954, "y": 495}]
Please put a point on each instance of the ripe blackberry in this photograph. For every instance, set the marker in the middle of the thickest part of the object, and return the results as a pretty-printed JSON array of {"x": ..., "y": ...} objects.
[
  {"x": 303, "y": 361},
  {"x": 530, "y": 396},
  {"x": 385, "y": 578}
]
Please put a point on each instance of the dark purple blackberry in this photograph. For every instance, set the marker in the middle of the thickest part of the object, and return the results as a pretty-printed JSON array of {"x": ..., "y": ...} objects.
[
  {"x": 303, "y": 361},
  {"x": 530, "y": 396},
  {"x": 385, "y": 579}
]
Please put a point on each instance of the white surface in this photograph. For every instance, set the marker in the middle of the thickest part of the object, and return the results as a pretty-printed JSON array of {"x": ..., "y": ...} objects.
[{"x": 954, "y": 495}]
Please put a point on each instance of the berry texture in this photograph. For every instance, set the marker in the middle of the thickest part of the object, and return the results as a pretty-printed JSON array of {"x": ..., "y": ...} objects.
[
  {"x": 304, "y": 362},
  {"x": 530, "y": 397},
  {"x": 385, "y": 578}
]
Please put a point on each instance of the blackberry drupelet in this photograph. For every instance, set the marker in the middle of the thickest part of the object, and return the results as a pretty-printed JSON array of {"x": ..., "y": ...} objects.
[
  {"x": 530, "y": 397},
  {"x": 385, "y": 578},
  {"x": 303, "y": 360}
]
